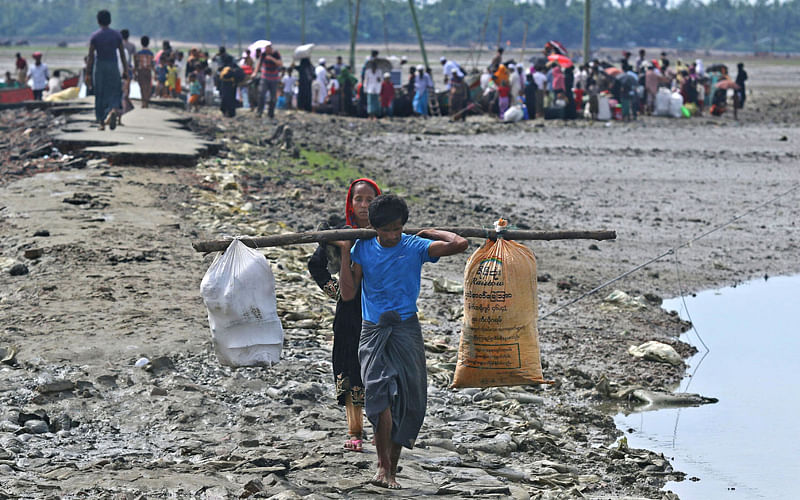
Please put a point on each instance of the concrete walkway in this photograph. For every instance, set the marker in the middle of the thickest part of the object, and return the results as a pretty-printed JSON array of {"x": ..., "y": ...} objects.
[{"x": 147, "y": 136}]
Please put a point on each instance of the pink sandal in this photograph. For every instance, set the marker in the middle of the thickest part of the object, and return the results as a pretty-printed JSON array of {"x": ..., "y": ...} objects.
[{"x": 354, "y": 445}]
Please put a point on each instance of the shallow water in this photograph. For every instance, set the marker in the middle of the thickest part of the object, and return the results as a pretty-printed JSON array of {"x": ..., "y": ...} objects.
[{"x": 747, "y": 445}]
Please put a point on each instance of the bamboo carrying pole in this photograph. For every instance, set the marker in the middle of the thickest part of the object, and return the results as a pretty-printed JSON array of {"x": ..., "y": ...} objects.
[{"x": 357, "y": 234}]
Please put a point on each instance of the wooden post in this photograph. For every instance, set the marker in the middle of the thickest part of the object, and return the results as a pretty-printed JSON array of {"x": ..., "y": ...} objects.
[
  {"x": 385, "y": 31},
  {"x": 354, "y": 234},
  {"x": 524, "y": 38},
  {"x": 500, "y": 31},
  {"x": 268, "y": 19},
  {"x": 238, "y": 29},
  {"x": 222, "y": 22},
  {"x": 353, "y": 33},
  {"x": 483, "y": 34},
  {"x": 302, "y": 22},
  {"x": 419, "y": 33},
  {"x": 587, "y": 14}
]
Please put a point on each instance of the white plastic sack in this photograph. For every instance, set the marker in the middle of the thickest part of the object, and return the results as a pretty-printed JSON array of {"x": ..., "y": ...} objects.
[
  {"x": 303, "y": 51},
  {"x": 513, "y": 114},
  {"x": 656, "y": 351},
  {"x": 663, "y": 97},
  {"x": 603, "y": 108},
  {"x": 675, "y": 105},
  {"x": 239, "y": 292}
]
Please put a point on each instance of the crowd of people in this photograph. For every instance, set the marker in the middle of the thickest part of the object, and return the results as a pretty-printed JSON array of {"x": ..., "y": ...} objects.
[
  {"x": 262, "y": 80},
  {"x": 551, "y": 86}
]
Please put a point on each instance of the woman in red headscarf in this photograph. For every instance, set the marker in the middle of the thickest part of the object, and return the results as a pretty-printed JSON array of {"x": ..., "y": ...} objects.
[{"x": 326, "y": 262}]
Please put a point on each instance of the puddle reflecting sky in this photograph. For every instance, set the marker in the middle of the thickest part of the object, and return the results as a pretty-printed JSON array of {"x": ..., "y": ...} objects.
[{"x": 747, "y": 445}]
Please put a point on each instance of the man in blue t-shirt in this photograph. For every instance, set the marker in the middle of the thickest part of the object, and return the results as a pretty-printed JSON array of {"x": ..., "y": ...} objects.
[{"x": 391, "y": 351}]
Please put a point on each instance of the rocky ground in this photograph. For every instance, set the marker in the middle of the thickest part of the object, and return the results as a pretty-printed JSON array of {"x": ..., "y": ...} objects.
[{"x": 98, "y": 272}]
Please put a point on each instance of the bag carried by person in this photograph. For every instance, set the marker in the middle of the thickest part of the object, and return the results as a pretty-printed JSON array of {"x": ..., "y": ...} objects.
[
  {"x": 499, "y": 341},
  {"x": 239, "y": 292}
]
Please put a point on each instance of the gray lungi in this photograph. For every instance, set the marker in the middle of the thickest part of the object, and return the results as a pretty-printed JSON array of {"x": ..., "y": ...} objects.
[
  {"x": 107, "y": 85},
  {"x": 392, "y": 357}
]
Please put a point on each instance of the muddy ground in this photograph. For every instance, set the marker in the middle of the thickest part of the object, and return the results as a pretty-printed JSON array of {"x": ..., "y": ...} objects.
[{"x": 117, "y": 280}]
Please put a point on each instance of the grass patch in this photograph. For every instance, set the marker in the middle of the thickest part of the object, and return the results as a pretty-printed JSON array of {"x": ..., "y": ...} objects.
[
  {"x": 324, "y": 167},
  {"x": 320, "y": 166}
]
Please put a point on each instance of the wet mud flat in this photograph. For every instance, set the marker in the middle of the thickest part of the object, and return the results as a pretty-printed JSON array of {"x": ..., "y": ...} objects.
[{"x": 111, "y": 278}]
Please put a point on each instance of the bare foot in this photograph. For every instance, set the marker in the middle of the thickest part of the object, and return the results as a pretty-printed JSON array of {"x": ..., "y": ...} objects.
[{"x": 379, "y": 479}]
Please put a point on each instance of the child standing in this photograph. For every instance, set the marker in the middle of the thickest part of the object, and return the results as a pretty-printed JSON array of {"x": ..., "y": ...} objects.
[
  {"x": 172, "y": 78},
  {"x": 387, "y": 268},
  {"x": 195, "y": 93},
  {"x": 503, "y": 92},
  {"x": 161, "y": 78},
  {"x": 288, "y": 87},
  {"x": 387, "y": 95}
]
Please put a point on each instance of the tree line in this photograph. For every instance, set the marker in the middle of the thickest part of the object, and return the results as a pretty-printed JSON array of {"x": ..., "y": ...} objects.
[{"x": 762, "y": 26}]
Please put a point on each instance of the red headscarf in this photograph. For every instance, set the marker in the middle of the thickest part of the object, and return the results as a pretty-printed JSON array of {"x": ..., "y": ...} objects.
[{"x": 349, "y": 212}]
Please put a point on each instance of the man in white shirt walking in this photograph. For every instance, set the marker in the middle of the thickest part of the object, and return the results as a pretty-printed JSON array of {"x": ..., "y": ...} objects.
[{"x": 38, "y": 71}]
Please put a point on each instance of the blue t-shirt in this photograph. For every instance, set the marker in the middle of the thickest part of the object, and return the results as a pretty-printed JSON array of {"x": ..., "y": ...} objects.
[
  {"x": 106, "y": 42},
  {"x": 391, "y": 276}
]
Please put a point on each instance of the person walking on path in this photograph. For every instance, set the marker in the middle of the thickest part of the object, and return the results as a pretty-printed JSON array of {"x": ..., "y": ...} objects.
[
  {"x": 269, "y": 67},
  {"x": 143, "y": 65},
  {"x": 22, "y": 70},
  {"x": 347, "y": 321},
  {"x": 130, "y": 54},
  {"x": 102, "y": 73},
  {"x": 387, "y": 271},
  {"x": 39, "y": 74}
]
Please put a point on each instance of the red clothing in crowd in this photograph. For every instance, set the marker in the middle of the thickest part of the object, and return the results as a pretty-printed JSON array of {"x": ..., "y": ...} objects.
[{"x": 387, "y": 93}]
